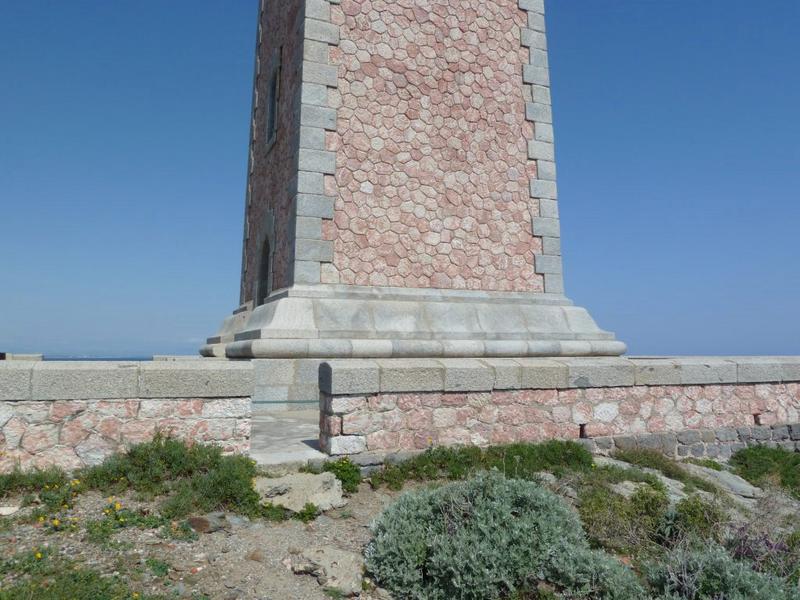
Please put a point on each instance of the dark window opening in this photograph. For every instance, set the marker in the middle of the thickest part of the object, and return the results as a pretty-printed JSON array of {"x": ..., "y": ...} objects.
[
  {"x": 273, "y": 95},
  {"x": 264, "y": 275}
]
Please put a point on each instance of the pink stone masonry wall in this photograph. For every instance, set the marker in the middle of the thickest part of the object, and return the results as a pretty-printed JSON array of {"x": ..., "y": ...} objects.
[
  {"x": 273, "y": 169},
  {"x": 75, "y": 433},
  {"x": 395, "y": 422},
  {"x": 432, "y": 169}
]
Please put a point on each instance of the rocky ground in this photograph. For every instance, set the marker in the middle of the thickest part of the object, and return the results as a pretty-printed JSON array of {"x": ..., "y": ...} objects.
[{"x": 230, "y": 557}]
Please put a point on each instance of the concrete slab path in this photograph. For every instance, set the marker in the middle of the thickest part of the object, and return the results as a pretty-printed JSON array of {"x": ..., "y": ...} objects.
[{"x": 285, "y": 437}]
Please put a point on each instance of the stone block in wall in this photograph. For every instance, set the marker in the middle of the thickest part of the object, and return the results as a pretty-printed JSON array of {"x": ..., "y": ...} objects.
[{"x": 86, "y": 380}]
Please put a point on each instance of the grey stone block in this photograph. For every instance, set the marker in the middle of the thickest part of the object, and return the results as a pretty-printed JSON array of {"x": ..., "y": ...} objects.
[
  {"x": 320, "y": 161},
  {"x": 547, "y": 264},
  {"x": 315, "y": 94},
  {"x": 683, "y": 451},
  {"x": 274, "y": 371},
  {"x": 541, "y": 188},
  {"x": 15, "y": 380},
  {"x": 536, "y": 6},
  {"x": 727, "y": 434},
  {"x": 507, "y": 373},
  {"x": 310, "y": 183},
  {"x": 626, "y": 442},
  {"x": 698, "y": 450},
  {"x": 554, "y": 284},
  {"x": 538, "y": 58},
  {"x": 543, "y": 132},
  {"x": 323, "y": 74},
  {"x": 307, "y": 271},
  {"x": 794, "y": 432},
  {"x": 541, "y": 94},
  {"x": 307, "y": 394},
  {"x": 357, "y": 376},
  {"x": 321, "y": 31},
  {"x": 656, "y": 372},
  {"x": 312, "y": 137},
  {"x": 536, "y": 22},
  {"x": 543, "y": 226},
  {"x": 270, "y": 393},
  {"x": 780, "y": 433},
  {"x": 605, "y": 443},
  {"x": 86, "y": 380},
  {"x": 309, "y": 228},
  {"x": 758, "y": 370},
  {"x": 317, "y": 250},
  {"x": 708, "y": 436},
  {"x": 467, "y": 375},
  {"x": 543, "y": 373},
  {"x": 710, "y": 370},
  {"x": 745, "y": 433},
  {"x": 548, "y": 208},
  {"x": 411, "y": 375},
  {"x": 315, "y": 205},
  {"x": 539, "y": 112},
  {"x": 533, "y": 39},
  {"x": 551, "y": 246},
  {"x": 541, "y": 150},
  {"x": 318, "y": 9},
  {"x": 761, "y": 433},
  {"x": 318, "y": 52},
  {"x": 189, "y": 379},
  {"x": 345, "y": 444},
  {"x": 599, "y": 372},
  {"x": 318, "y": 116},
  {"x": 690, "y": 436},
  {"x": 546, "y": 169}
]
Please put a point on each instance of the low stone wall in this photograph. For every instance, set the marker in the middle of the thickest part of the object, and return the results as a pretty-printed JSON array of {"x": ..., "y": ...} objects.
[
  {"x": 73, "y": 414},
  {"x": 398, "y": 405},
  {"x": 702, "y": 443}
]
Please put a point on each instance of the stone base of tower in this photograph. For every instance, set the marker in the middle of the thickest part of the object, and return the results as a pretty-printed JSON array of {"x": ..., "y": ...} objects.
[{"x": 337, "y": 321}]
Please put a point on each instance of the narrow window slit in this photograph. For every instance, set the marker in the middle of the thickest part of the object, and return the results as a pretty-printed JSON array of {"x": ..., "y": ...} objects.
[{"x": 583, "y": 435}]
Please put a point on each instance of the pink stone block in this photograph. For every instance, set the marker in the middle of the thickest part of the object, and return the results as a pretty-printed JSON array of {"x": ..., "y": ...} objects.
[{"x": 61, "y": 409}]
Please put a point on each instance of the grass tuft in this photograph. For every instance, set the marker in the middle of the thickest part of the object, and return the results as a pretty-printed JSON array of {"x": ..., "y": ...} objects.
[
  {"x": 760, "y": 465},
  {"x": 516, "y": 461}
]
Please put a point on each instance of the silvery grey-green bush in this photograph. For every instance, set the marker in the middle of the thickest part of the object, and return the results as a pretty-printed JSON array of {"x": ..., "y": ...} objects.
[
  {"x": 710, "y": 573},
  {"x": 485, "y": 538}
]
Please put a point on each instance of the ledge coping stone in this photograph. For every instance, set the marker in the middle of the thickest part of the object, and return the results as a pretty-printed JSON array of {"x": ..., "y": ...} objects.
[
  {"x": 367, "y": 376},
  {"x": 106, "y": 380}
]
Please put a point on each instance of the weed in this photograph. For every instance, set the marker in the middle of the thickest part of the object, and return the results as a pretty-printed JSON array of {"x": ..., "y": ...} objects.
[
  {"x": 308, "y": 514},
  {"x": 157, "y": 567},
  {"x": 671, "y": 469},
  {"x": 517, "y": 461},
  {"x": 761, "y": 464},
  {"x": 708, "y": 463},
  {"x": 346, "y": 472}
]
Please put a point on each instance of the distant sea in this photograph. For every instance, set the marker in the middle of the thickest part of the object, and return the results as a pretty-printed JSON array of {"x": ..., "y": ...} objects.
[{"x": 100, "y": 358}]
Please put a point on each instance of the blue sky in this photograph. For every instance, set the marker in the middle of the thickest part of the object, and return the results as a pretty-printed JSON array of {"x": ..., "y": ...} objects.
[{"x": 123, "y": 147}]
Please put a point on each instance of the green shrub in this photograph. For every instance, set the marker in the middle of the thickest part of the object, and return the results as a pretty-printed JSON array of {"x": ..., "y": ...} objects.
[
  {"x": 655, "y": 460},
  {"x": 227, "y": 486},
  {"x": 518, "y": 461},
  {"x": 710, "y": 573},
  {"x": 486, "y": 538},
  {"x": 346, "y": 472},
  {"x": 625, "y": 525},
  {"x": 761, "y": 464},
  {"x": 150, "y": 467}
]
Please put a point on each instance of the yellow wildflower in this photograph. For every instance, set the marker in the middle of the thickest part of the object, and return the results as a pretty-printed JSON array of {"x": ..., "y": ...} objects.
[
  {"x": 41, "y": 519},
  {"x": 117, "y": 506},
  {"x": 38, "y": 555},
  {"x": 56, "y": 522}
]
